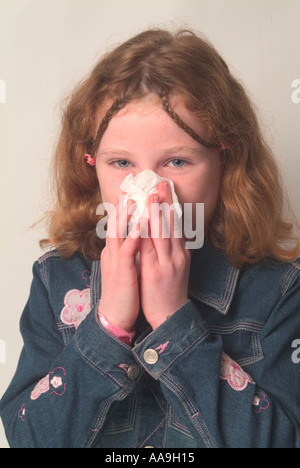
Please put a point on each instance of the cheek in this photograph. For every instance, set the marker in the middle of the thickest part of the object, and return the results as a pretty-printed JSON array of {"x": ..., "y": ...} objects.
[
  {"x": 106, "y": 189},
  {"x": 109, "y": 189},
  {"x": 203, "y": 188},
  {"x": 210, "y": 197},
  {"x": 109, "y": 194}
]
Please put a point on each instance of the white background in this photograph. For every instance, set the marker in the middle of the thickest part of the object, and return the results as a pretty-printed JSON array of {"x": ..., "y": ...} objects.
[{"x": 47, "y": 46}]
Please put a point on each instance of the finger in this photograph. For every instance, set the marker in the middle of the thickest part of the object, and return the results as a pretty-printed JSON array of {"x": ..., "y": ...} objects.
[
  {"x": 130, "y": 248},
  {"x": 117, "y": 225},
  {"x": 160, "y": 227},
  {"x": 167, "y": 209},
  {"x": 177, "y": 238},
  {"x": 164, "y": 192},
  {"x": 147, "y": 249},
  {"x": 148, "y": 254},
  {"x": 172, "y": 223}
]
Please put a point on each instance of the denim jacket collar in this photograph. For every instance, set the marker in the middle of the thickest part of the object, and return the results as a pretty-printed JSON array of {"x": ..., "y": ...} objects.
[{"x": 212, "y": 279}]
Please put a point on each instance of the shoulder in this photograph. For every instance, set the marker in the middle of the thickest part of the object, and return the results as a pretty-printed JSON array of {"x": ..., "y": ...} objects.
[
  {"x": 53, "y": 269},
  {"x": 267, "y": 295},
  {"x": 290, "y": 277},
  {"x": 53, "y": 257},
  {"x": 67, "y": 284},
  {"x": 271, "y": 281},
  {"x": 280, "y": 274}
]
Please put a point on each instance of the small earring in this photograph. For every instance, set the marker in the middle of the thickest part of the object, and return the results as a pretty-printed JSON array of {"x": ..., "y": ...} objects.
[{"x": 91, "y": 161}]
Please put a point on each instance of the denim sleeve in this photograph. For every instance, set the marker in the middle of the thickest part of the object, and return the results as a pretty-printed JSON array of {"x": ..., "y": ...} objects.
[
  {"x": 221, "y": 404},
  {"x": 60, "y": 396}
]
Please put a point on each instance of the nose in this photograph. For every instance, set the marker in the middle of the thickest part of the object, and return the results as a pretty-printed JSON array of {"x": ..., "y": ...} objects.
[{"x": 148, "y": 167}]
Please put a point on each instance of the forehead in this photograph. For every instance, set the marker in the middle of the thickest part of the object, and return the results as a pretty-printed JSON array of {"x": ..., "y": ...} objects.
[
  {"x": 146, "y": 105},
  {"x": 141, "y": 130},
  {"x": 150, "y": 111}
]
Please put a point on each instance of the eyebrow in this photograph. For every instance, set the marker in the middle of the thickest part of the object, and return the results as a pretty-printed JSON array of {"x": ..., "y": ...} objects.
[
  {"x": 178, "y": 150},
  {"x": 174, "y": 150},
  {"x": 113, "y": 152}
]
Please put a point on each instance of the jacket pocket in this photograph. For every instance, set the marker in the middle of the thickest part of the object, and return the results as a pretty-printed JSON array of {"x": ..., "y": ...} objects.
[
  {"x": 177, "y": 425},
  {"x": 121, "y": 416},
  {"x": 241, "y": 341}
]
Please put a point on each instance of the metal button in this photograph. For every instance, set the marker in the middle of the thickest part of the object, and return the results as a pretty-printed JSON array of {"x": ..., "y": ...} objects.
[
  {"x": 133, "y": 372},
  {"x": 151, "y": 356}
]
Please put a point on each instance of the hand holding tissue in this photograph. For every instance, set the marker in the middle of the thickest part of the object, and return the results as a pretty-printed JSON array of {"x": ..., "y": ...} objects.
[{"x": 139, "y": 188}]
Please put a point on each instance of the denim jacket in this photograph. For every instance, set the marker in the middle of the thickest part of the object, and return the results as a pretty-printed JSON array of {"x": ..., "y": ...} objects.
[{"x": 223, "y": 371}]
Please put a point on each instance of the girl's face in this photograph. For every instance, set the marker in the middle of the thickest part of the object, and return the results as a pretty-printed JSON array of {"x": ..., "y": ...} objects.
[{"x": 143, "y": 136}]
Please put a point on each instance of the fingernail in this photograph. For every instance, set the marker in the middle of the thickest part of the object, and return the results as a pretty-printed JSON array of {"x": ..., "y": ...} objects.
[
  {"x": 131, "y": 205},
  {"x": 166, "y": 187}
]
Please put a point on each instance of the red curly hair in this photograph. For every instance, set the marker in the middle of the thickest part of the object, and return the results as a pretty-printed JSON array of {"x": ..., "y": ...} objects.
[{"x": 248, "y": 224}]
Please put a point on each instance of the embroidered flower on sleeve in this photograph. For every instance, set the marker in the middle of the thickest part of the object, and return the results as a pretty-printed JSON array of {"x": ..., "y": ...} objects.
[
  {"x": 77, "y": 307},
  {"x": 234, "y": 374},
  {"x": 260, "y": 403},
  {"x": 42, "y": 387},
  {"x": 56, "y": 384},
  {"x": 86, "y": 276},
  {"x": 22, "y": 412}
]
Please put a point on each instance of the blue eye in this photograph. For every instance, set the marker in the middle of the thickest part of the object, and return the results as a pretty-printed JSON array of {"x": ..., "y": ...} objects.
[
  {"x": 177, "y": 163},
  {"x": 122, "y": 163}
]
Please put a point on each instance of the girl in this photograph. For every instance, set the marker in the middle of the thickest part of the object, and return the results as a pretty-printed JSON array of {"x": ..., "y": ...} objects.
[{"x": 200, "y": 348}]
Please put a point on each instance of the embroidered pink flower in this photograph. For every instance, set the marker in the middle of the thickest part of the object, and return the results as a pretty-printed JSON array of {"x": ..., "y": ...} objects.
[
  {"x": 77, "y": 307},
  {"x": 22, "y": 412},
  {"x": 234, "y": 374},
  {"x": 56, "y": 382},
  {"x": 86, "y": 276},
  {"x": 260, "y": 403},
  {"x": 42, "y": 387}
]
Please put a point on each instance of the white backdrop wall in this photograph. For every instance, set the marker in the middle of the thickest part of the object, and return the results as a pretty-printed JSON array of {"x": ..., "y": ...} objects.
[{"x": 46, "y": 46}]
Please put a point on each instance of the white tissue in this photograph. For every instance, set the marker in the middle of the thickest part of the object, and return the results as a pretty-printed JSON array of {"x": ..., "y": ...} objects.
[{"x": 139, "y": 188}]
